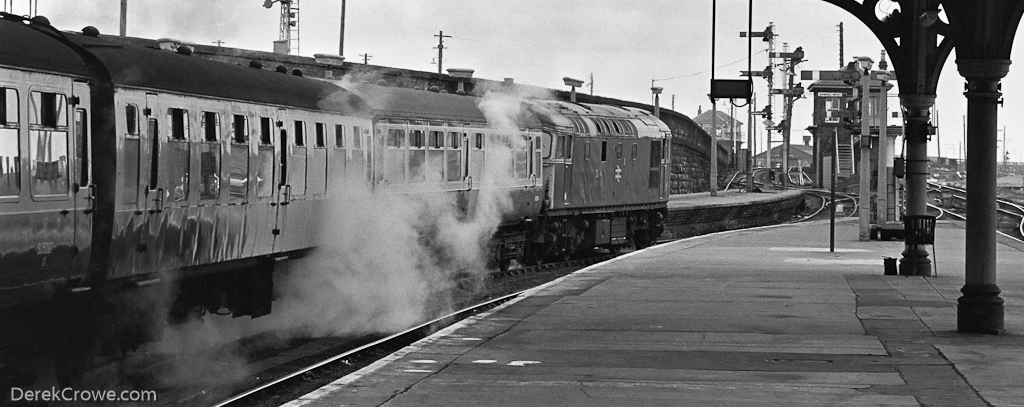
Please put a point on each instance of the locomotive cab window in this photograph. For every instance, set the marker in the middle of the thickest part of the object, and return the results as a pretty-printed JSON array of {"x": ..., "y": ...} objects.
[
  {"x": 10, "y": 145},
  {"x": 48, "y": 145}
]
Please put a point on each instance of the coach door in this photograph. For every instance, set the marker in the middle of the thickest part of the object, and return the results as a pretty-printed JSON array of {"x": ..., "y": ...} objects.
[
  {"x": 83, "y": 192},
  {"x": 154, "y": 196},
  {"x": 282, "y": 193},
  {"x": 564, "y": 151}
]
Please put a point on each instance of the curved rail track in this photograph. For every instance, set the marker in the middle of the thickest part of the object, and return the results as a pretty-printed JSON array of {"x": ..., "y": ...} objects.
[
  {"x": 1011, "y": 215},
  {"x": 289, "y": 385}
]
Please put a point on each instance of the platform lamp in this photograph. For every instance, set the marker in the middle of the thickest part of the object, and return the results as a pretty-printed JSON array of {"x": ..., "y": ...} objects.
[
  {"x": 574, "y": 83},
  {"x": 656, "y": 90}
]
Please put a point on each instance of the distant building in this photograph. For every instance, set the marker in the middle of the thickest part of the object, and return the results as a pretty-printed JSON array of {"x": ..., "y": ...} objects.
[
  {"x": 799, "y": 156},
  {"x": 726, "y": 124}
]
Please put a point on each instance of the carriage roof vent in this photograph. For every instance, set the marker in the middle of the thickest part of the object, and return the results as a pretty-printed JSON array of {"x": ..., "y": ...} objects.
[
  {"x": 256, "y": 64},
  {"x": 40, "y": 20},
  {"x": 297, "y": 72},
  {"x": 281, "y": 69},
  {"x": 90, "y": 31}
]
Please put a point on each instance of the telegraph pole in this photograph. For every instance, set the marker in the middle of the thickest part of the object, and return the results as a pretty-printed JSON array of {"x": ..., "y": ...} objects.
[
  {"x": 841, "y": 60},
  {"x": 341, "y": 37},
  {"x": 124, "y": 18},
  {"x": 366, "y": 58},
  {"x": 440, "y": 49}
]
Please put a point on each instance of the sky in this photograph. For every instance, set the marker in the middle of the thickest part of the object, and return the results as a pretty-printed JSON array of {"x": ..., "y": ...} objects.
[{"x": 624, "y": 44}]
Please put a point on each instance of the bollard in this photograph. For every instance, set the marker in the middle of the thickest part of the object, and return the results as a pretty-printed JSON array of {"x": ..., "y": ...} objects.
[{"x": 890, "y": 265}]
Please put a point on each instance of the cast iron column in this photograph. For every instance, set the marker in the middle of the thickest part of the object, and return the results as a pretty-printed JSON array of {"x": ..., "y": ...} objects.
[
  {"x": 980, "y": 309},
  {"x": 915, "y": 260}
]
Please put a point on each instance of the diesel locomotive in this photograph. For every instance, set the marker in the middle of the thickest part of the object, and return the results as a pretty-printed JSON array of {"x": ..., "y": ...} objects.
[{"x": 126, "y": 166}]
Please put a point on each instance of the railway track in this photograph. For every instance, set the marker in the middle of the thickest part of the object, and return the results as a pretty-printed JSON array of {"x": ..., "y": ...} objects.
[
  {"x": 295, "y": 382},
  {"x": 953, "y": 203},
  {"x": 847, "y": 205}
]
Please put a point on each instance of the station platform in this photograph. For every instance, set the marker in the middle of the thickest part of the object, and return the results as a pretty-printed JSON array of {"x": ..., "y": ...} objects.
[{"x": 764, "y": 316}]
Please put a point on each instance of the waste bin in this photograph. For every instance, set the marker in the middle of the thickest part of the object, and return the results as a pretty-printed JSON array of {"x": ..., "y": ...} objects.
[
  {"x": 890, "y": 265},
  {"x": 918, "y": 230}
]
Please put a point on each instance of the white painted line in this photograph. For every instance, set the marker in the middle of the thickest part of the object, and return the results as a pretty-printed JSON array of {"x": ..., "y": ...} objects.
[
  {"x": 815, "y": 250},
  {"x": 523, "y": 363},
  {"x": 832, "y": 262}
]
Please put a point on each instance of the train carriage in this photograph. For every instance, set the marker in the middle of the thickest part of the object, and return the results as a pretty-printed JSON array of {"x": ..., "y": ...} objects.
[
  {"x": 45, "y": 188},
  {"x": 435, "y": 143}
]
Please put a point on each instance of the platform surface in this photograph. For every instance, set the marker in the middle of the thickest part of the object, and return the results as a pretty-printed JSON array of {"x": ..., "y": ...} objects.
[{"x": 765, "y": 317}]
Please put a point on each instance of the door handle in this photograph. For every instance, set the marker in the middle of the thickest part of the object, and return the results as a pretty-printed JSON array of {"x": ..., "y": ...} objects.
[{"x": 90, "y": 196}]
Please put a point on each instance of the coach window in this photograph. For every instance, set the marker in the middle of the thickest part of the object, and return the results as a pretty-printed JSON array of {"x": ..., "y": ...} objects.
[
  {"x": 238, "y": 185},
  {"x": 454, "y": 156},
  {"x": 178, "y": 157},
  {"x": 48, "y": 143},
  {"x": 81, "y": 145},
  {"x": 394, "y": 159},
  {"x": 265, "y": 161},
  {"x": 300, "y": 133},
  {"x": 417, "y": 156},
  {"x": 321, "y": 135},
  {"x": 130, "y": 163},
  {"x": 435, "y": 156},
  {"x": 10, "y": 145},
  {"x": 357, "y": 142},
  {"x": 209, "y": 157},
  {"x": 478, "y": 141},
  {"x": 339, "y": 136}
]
